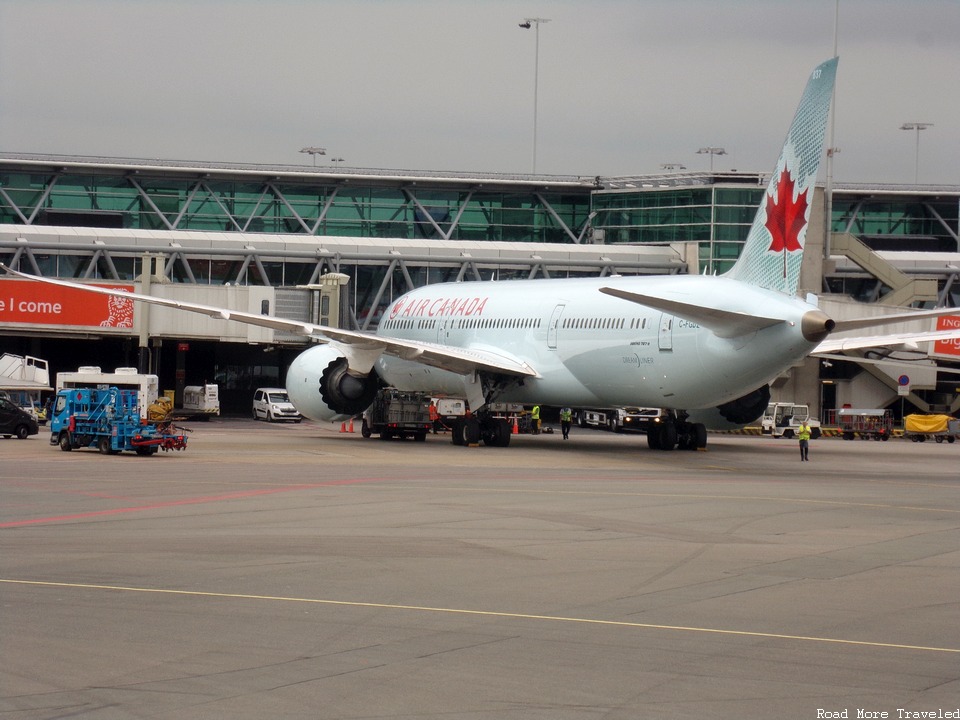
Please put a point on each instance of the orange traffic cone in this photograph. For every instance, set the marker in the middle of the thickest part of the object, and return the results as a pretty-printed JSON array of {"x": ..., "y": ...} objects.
[
  {"x": 343, "y": 427},
  {"x": 516, "y": 428},
  {"x": 351, "y": 425}
]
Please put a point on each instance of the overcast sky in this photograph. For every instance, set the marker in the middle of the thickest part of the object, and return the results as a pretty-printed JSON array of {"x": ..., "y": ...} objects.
[{"x": 624, "y": 85}]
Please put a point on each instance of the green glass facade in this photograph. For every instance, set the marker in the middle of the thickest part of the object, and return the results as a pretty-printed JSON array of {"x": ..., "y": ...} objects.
[
  {"x": 715, "y": 213},
  {"x": 273, "y": 206},
  {"x": 717, "y": 218},
  {"x": 930, "y": 223}
]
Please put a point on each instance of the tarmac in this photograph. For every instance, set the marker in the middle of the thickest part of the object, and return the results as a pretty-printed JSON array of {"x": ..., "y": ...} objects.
[{"x": 294, "y": 571}]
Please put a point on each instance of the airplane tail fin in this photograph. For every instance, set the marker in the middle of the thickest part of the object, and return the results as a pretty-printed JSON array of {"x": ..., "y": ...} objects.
[{"x": 773, "y": 251}]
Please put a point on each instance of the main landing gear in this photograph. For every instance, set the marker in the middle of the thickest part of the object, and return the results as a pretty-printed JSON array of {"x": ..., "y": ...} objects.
[
  {"x": 472, "y": 429},
  {"x": 676, "y": 432}
]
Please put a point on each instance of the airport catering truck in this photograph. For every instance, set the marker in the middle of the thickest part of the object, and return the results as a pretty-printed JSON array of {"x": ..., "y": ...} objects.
[{"x": 109, "y": 420}]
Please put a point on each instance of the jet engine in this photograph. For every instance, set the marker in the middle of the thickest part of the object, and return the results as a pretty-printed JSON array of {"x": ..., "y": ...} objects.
[
  {"x": 736, "y": 413},
  {"x": 324, "y": 387}
]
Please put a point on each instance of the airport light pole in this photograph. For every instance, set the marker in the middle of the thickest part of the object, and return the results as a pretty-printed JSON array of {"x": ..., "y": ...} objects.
[
  {"x": 711, "y": 151},
  {"x": 917, "y": 126},
  {"x": 526, "y": 25},
  {"x": 313, "y": 152}
]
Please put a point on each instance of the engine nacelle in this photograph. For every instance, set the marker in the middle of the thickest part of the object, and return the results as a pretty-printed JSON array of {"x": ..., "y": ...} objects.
[
  {"x": 734, "y": 414},
  {"x": 322, "y": 387}
]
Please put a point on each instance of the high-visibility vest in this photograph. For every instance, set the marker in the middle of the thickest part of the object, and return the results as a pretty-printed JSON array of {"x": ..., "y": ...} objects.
[
  {"x": 566, "y": 415},
  {"x": 535, "y": 413},
  {"x": 803, "y": 432}
]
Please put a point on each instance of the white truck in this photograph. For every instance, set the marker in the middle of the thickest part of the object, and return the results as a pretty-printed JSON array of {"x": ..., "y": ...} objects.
[
  {"x": 124, "y": 378},
  {"x": 783, "y": 418},
  {"x": 619, "y": 419}
]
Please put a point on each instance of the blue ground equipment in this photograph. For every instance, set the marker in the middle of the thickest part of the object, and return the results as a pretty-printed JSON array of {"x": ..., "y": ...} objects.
[{"x": 108, "y": 419}]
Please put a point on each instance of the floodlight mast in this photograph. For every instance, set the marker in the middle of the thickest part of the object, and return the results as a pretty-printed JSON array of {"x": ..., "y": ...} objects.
[
  {"x": 313, "y": 152},
  {"x": 711, "y": 151},
  {"x": 917, "y": 126},
  {"x": 526, "y": 25}
]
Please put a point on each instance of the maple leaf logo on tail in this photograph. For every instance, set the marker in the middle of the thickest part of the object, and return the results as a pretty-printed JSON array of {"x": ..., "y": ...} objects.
[{"x": 786, "y": 217}]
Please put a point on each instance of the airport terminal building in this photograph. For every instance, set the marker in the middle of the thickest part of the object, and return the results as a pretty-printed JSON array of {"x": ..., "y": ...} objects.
[{"x": 337, "y": 245}]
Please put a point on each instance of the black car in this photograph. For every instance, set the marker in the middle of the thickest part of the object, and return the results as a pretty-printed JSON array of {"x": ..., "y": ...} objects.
[{"x": 14, "y": 420}]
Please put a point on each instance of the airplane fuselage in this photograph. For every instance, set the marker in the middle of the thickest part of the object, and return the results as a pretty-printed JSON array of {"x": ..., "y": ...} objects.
[{"x": 592, "y": 349}]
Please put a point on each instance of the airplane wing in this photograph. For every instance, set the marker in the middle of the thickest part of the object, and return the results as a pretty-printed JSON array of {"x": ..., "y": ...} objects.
[
  {"x": 897, "y": 341},
  {"x": 458, "y": 360},
  {"x": 723, "y": 323}
]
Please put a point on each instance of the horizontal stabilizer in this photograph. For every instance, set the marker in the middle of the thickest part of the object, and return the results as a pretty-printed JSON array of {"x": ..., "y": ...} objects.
[
  {"x": 858, "y": 323},
  {"x": 723, "y": 323},
  {"x": 835, "y": 345}
]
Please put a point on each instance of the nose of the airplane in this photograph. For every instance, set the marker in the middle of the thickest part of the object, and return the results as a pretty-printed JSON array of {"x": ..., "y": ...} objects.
[{"x": 816, "y": 325}]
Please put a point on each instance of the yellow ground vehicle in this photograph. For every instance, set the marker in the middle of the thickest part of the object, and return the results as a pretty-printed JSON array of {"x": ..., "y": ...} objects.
[{"x": 939, "y": 427}]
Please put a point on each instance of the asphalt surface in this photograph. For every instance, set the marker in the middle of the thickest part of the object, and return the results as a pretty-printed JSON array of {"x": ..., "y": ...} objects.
[{"x": 297, "y": 572}]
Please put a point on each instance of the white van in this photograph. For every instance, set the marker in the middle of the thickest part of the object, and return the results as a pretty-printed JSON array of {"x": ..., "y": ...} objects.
[{"x": 273, "y": 405}]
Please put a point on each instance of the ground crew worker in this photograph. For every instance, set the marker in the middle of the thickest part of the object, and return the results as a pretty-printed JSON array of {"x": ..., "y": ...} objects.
[
  {"x": 535, "y": 420},
  {"x": 566, "y": 419},
  {"x": 434, "y": 417},
  {"x": 803, "y": 434}
]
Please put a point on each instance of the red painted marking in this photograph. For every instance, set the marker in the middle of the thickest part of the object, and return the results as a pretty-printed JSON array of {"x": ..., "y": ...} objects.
[{"x": 186, "y": 501}]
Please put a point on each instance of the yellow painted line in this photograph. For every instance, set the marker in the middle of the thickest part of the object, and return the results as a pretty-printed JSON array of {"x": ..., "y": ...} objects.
[{"x": 483, "y": 613}]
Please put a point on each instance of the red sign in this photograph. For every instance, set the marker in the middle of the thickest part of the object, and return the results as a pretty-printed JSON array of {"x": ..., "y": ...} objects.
[
  {"x": 948, "y": 347},
  {"x": 36, "y": 303}
]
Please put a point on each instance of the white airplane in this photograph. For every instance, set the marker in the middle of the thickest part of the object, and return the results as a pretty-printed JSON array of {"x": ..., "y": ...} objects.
[{"x": 704, "y": 347}]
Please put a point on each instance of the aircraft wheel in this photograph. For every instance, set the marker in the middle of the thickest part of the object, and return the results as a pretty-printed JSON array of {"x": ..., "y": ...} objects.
[
  {"x": 700, "y": 435},
  {"x": 668, "y": 436},
  {"x": 471, "y": 431},
  {"x": 496, "y": 432},
  {"x": 653, "y": 437}
]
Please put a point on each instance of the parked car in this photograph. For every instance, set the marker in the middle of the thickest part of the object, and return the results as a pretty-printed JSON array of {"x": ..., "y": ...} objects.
[
  {"x": 273, "y": 405},
  {"x": 14, "y": 420}
]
